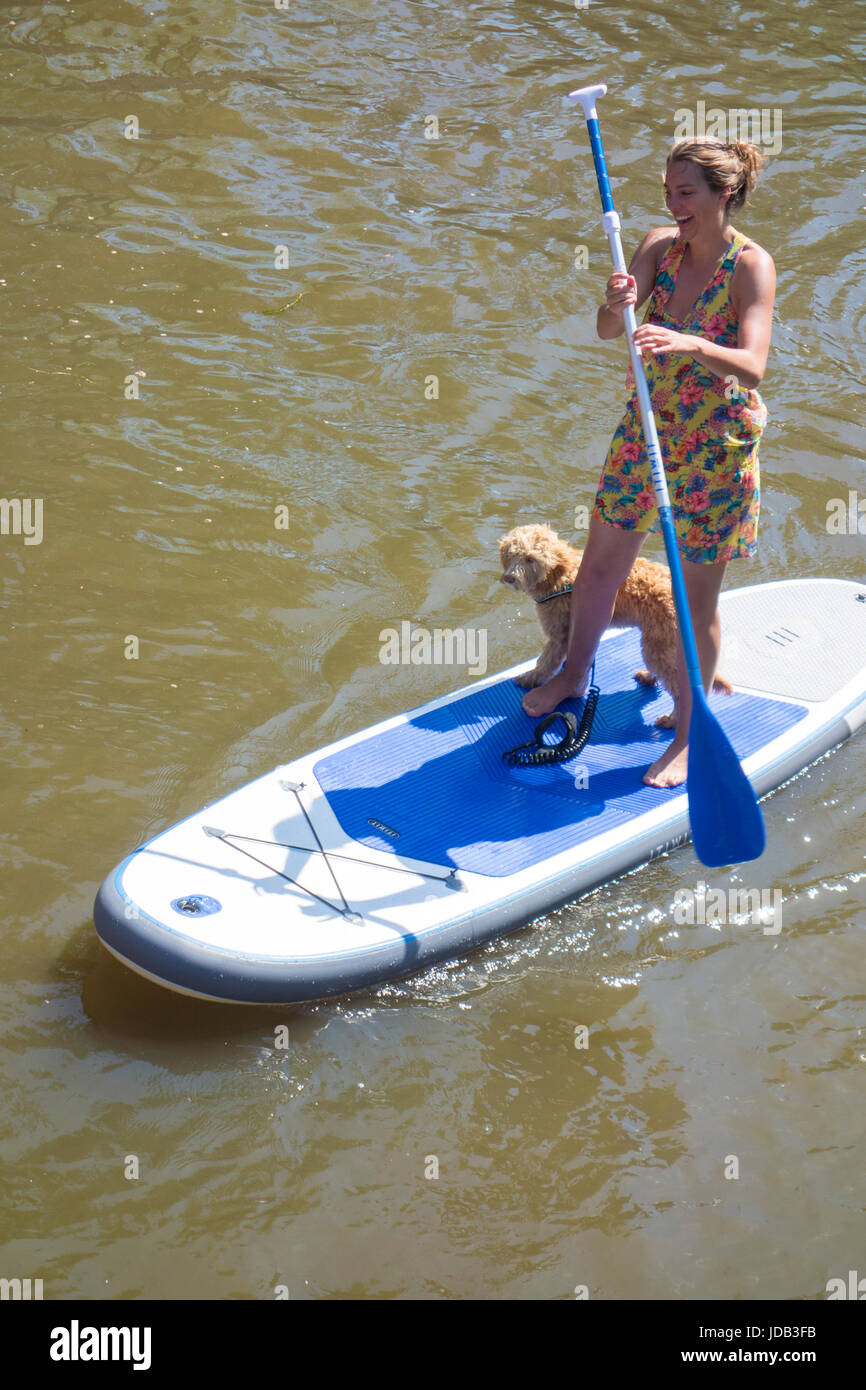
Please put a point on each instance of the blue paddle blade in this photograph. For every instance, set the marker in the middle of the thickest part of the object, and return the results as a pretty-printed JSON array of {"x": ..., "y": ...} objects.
[{"x": 727, "y": 825}]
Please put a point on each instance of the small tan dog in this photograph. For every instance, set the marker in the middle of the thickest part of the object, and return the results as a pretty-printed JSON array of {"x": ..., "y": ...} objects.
[{"x": 535, "y": 561}]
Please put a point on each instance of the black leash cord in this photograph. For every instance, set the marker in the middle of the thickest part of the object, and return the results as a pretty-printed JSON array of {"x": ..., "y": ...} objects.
[{"x": 576, "y": 736}]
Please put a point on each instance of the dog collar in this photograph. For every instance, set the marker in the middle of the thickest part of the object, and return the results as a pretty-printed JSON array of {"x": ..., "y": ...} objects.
[{"x": 556, "y": 593}]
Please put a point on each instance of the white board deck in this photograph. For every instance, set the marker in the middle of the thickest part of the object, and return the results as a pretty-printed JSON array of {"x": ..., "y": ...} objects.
[{"x": 412, "y": 841}]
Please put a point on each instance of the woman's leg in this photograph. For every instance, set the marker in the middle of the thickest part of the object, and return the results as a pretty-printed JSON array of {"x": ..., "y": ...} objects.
[
  {"x": 606, "y": 562},
  {"x": 703, "y": 585}
]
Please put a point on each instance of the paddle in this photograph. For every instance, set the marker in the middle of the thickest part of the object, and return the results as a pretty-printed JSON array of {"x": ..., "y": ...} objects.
[{"x": 726, "y": 820}]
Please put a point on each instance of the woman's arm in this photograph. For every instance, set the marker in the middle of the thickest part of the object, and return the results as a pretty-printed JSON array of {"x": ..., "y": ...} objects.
[
  {"x": 752, "y": 299},
  {"x": 752, "y": 293},
  {"x": 635, "y": 287}
]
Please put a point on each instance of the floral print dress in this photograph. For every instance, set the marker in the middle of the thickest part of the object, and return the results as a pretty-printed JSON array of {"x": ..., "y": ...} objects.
[{"x": 709, "y": 430}]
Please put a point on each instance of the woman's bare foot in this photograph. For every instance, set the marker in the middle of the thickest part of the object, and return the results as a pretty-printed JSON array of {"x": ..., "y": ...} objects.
[
  {"x": 671, "y": 769},
  {"x": 545, "y": 698}
]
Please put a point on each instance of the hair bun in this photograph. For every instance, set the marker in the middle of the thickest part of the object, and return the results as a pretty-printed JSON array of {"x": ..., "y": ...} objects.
[{"x": 749, "y": 155}]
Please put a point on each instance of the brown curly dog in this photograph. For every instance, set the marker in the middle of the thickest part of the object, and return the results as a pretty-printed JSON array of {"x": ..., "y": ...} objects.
[{"x": 536, "y": 562}]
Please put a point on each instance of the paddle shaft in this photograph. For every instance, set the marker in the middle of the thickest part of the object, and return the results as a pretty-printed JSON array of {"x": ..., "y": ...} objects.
[{"x": 611, "y": 223}]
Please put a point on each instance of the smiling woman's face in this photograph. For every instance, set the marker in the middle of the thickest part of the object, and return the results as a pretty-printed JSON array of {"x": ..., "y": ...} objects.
[{"x": 690, "y": 200}]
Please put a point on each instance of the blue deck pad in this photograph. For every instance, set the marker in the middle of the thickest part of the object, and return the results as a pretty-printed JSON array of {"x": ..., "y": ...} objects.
[{"x": 440, "y": 782}]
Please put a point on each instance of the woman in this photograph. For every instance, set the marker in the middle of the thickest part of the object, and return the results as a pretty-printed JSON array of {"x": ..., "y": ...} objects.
[{"x": 704, "y": 343}]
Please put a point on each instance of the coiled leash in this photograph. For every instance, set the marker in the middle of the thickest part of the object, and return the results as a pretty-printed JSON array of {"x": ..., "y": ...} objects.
[{"x": 576, "y": 736}]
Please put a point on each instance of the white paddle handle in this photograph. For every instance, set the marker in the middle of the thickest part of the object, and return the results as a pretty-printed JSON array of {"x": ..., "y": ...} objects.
[{"x": 587, "y": 97}]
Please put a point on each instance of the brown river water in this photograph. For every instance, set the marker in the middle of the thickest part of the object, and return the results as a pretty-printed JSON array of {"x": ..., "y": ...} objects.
[{"x": 166, "y": 387}]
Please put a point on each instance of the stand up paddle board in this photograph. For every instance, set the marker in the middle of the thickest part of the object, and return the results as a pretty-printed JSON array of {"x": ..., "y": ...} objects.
[{"x": 414, "y": 841}]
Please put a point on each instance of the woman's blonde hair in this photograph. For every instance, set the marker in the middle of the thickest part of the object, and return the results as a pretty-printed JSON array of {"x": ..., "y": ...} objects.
[{"x": 734, "y": 166}]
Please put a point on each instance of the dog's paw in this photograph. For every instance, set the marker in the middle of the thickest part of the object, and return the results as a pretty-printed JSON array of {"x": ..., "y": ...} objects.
[
  {"x": 667, "y": 721},
  {"x": 527, "y": 680},
  {"x": 722, "y": 686},
  {"x": 645, "y": 677}
]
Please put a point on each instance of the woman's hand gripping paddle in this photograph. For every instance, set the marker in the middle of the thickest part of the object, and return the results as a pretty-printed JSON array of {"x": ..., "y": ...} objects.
[{"x": 726, "y": 820}]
